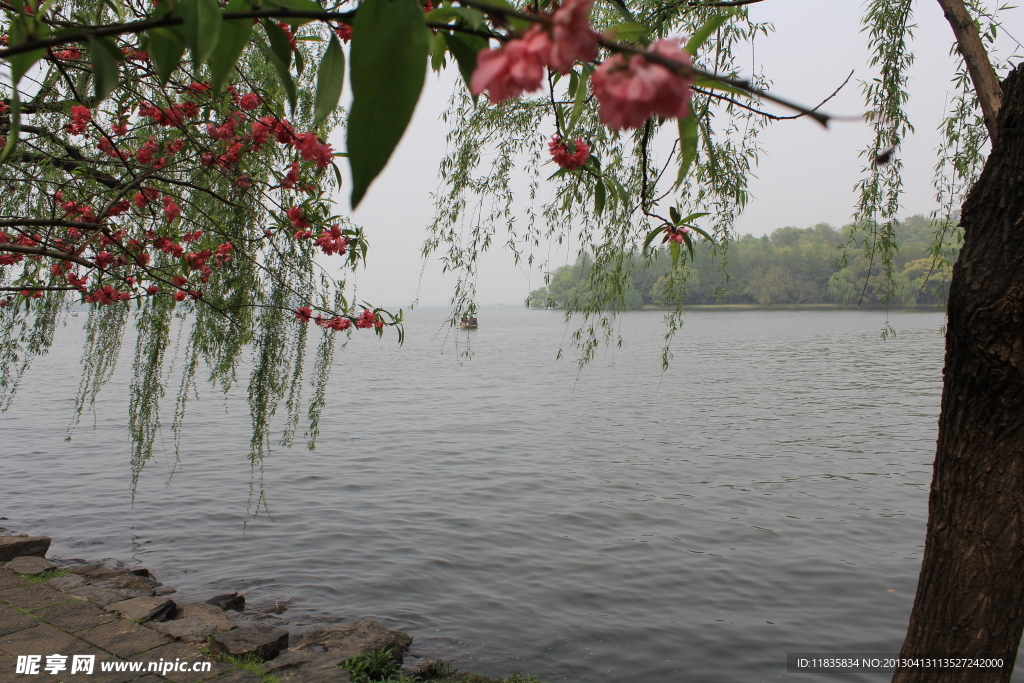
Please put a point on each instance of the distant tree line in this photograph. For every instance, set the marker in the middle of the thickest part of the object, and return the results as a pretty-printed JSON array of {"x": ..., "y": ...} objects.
[{"x": 790, "y": 266}]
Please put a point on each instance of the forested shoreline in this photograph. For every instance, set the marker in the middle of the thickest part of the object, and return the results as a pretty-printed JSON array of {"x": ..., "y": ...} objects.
[{"x": 817, "y": 265}]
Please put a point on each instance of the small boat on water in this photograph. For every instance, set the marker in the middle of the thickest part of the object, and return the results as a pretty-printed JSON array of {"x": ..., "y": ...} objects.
[
  {"x": 74, "y": 314},
  {"x": 468, "y": 322}
]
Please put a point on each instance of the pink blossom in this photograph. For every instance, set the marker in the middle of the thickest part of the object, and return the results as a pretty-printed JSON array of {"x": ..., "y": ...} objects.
[
  {"x": 288, "y": 182},
  {"x": 367, "y": 319},
  {"x": 297, "y": 219},
  {"x": 311, "y": 149},
  {"x": 337, "y": 324},
  {"x": 250, "y": 101},
  {"x": 171, "y": 210},
  {"x": 514, "y": 68},
  {"x": 332, "y": 242},
  {"x": 304, "y": 314},
  {"x": 291, "y": 36},
  {"x": 243, "y": 181},
  {"x": 570, "y": 160},
  {"x": 676, "y": 234},
  {"x": 631, "y": 92},
  {"x": 261, "y": 130},
  {"x": 80, "y": 117},
  {"x": 572, "y": 37}
]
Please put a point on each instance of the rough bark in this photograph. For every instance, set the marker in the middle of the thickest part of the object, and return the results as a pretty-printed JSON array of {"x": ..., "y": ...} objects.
[{"x": 970, "y": 595}]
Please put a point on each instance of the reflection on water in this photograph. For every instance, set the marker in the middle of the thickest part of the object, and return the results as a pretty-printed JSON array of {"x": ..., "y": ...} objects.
[{"x": 766, "y": 495}]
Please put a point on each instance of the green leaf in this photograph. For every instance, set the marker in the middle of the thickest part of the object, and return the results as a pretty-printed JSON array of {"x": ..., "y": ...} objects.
[
  {"x": 701, "y": 35},
  {"x": 577, "y": 105},
  {"x": 689, "y": 243},
  {"x": 202, "y": 27},
  {"x": 165, "y": 49},
  {"x": 650, "y": 238},
  {"x": 516, "y": 22},
  {"x": 712, "y": 84},
  {"x": 279, "y": 43},
  {"x": 337, "y": 173},
  {"x": 389, "y": 62},
  {"x": 465, "y": 48},
  {"x": 674, "y": 252},
  {"x": 329, "y": 81},
  {"x": 300, "y": 63},
  {"x": 15, "y": 127},
  {"x": 631, "y": 31},
  {"x": 234, "y": 36},
  {"x": 283, "y": 74},
  {"x": 301, "y": 5},
  {"x": 24, "y": 28},
  {"x": 674, "y": 214},
  {"x": 688, "y": 136},
  {"x": 438, "y": 47},
  {"x": 702, "y": 233},
  {"x": 442, "y": 15},
  {"x": 599, "y": 197},
  {"x": 105, "y": 55}
]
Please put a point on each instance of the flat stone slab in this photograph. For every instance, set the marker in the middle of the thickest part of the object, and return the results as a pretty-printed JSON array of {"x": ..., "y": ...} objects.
[
  {"x": 144, "y": 608},
  {"x": 238, "y": 676},
  {"x": 184, "y": 653},
  {"x": 97, "y": 596},
  {"x": 205, "y": 610},
  {"x": 42, "y": 640},
  {"x": 122, "y": 638},
  {"x": 66, "y": 582},
  {"x": 265, "y": 642},
  {"x": 8, "y": 666},
  {"x": 189, "y": 630},
  {"x": 10, "y": 579},
  {"x": 12, "y": 620},
  {"x": 30, "y": 564},
  {"x": 15, "y": 546},
  {"x": 74, "y": 616},
  {"x": 32, "y": 596}
]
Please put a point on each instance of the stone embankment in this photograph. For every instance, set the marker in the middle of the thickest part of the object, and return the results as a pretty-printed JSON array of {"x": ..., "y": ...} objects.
[{"x": 52, "y": 620}]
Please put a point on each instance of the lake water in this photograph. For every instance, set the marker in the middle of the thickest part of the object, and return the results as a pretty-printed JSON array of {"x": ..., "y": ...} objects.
[{"x": 766, "y": 495}]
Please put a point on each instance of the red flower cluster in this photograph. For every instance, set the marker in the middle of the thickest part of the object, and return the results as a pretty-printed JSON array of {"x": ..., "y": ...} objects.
[
  {"x": 292, "y": 177},
  {"x": 369, "y": 319},
  {"x": 80, "y": 118},
  {"x": 297, "y": 219},
  {"x": 175, "y": 115},
  {"x": 631, "y": 91},
  {"x": 566, "y": 159},
  {"x": 250, "y": 101},
  {"x": 106, "y": 295},
  {"x": 171, "y": 210},
  {"x": 518, "y": 66},
  {"x": 676, "y": 234},
  {"x": 85, "y": 213},
  {"x": 331, "y": 241}
]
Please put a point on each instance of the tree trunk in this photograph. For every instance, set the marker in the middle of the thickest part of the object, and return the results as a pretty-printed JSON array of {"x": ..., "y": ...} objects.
[{"x": 970, "y": 595}]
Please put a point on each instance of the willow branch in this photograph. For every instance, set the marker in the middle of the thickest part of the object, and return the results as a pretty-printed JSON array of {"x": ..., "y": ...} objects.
[
  {"x": 979, "y": 66},
  {"x": 43, "y": 251}
]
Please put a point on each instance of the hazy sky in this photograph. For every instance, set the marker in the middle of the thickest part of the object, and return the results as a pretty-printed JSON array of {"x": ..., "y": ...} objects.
[{"x": 806, "y": 177}]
